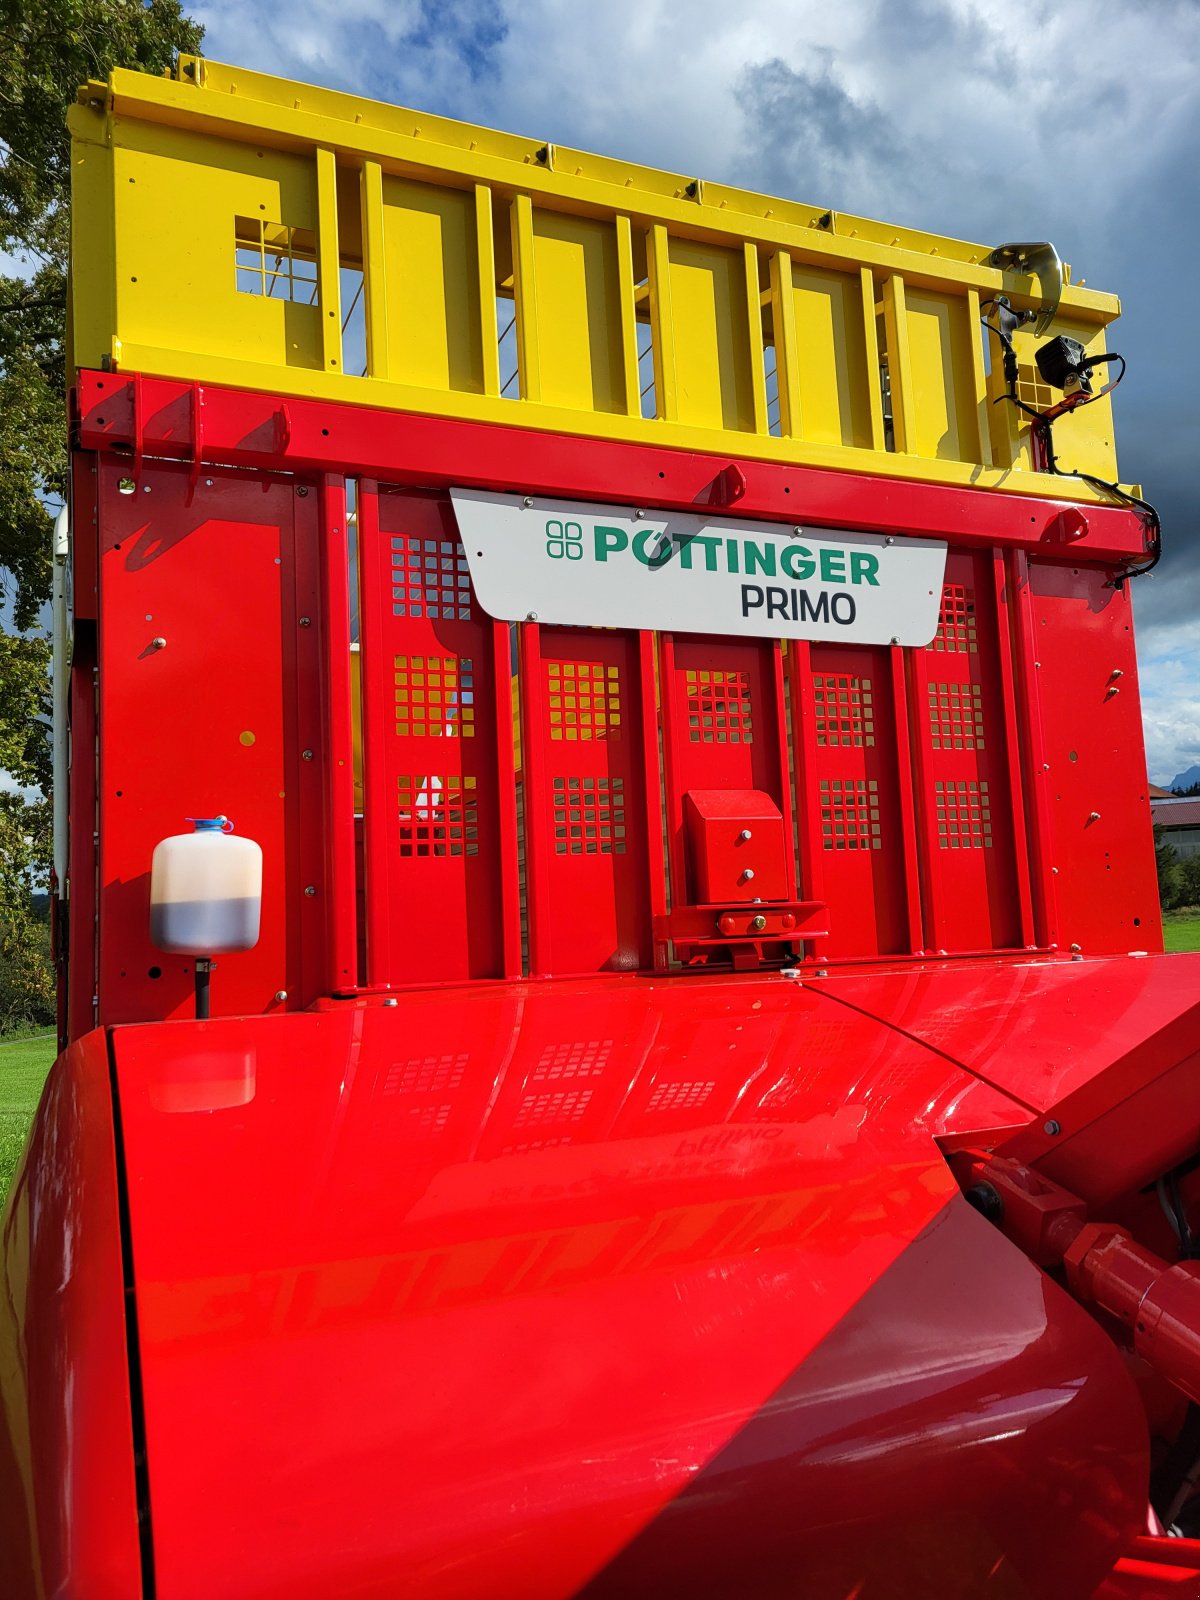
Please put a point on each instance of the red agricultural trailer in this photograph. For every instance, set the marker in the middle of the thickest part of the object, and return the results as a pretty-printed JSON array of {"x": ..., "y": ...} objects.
[{"x": 706, "y": 1111}]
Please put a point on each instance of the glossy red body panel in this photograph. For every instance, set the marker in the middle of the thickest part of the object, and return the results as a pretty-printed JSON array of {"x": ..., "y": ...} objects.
[
  {"x": 243, "y": 428},
  {"x": 568, "y": 1270},
  {"x": 212, "y": 722},
  {"x": 67, "y": 1488}
]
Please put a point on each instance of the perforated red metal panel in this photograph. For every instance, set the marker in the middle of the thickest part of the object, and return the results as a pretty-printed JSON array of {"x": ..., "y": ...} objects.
[
  {"x": 962, "y": 772},
  {"x": 439, "y": 816},
  {"x": 848, "y": 798},
  {"x": 593, "y": 845},
  {"x": 723, "y": 728}
]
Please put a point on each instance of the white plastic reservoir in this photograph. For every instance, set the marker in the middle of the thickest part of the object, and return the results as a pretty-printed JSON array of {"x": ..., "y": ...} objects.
[{"x": 205, "y": 890}]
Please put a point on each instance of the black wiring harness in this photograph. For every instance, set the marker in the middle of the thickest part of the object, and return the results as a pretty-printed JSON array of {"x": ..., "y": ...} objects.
[{"x": 1042, "y": 423}]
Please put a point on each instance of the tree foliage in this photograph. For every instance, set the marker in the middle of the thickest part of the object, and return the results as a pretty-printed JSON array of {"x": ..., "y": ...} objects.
[{"x": 47, "y": 49}]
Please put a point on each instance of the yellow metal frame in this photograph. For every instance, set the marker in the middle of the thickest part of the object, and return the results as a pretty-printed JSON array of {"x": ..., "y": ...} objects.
[{"x": 646, "y": 307}]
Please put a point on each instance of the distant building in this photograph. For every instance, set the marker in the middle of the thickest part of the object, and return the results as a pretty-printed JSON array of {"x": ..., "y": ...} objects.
[
  {"x": 1179, "y": 819},
  {"x": 1155, "y": 792}
]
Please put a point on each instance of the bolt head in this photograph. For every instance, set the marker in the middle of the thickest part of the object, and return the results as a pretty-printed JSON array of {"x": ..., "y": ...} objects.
[
  {"x": 745, "y": 836},
  {"x": 748, "y": 875},
  {"x": 1053, "y": 1128},
  {"x": 306, "y": 622},
  {"x": 302, "y": 491},
  {"x": 310, "y": 889},
  {"x": 306, "y": 755},
  {"x": 527, "y": 501},
  {"x": 758, "y": 923},
  {"x": 391, "y": 1001},
  {"x": 531, "y": 616},
  {"x": 889, "y": 540},
  {"x": 280, "y": 995}
]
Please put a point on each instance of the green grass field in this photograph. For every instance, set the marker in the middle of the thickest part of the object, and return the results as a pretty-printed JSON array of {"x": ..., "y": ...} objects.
[
  {"x": 1181, "y": 932},
  {"x": 24, "y": 1064}
]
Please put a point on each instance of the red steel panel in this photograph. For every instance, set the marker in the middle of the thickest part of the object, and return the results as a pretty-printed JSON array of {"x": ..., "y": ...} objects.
[
  {"x": 963, "y": 792},
  {"x": 83, "y": 955},
  {"x": 588, "y": 796},
  {"x": 69, "y": 1520},
  {"x": 437, "y": 761},
  {"x": 254, "y": 429},
  {"x": 851, "y": 790},
  {"x": 340, "y": 865},
  {"x": 212, "y": 720},
  {"x": 723, "y": 728},
  {"x": 608, "y": 1283},
  {"x": 1102, "y": 846}
]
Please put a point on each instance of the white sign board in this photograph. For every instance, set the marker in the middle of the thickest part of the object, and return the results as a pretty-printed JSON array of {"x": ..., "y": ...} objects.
[{"x": 605, "y": 566}]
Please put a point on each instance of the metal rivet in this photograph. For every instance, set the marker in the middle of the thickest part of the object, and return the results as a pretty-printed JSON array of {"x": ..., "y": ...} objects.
[
  {"x": 306, "y": 755},
  {"x": 639, "y": 513},
  {"x": 281, "y": 995},
  {"x": 305, "y": 622},
  {"x": 158, "y": 644},
  {"x": 889, "y": 540},
  {"x": 1053, "y": 1128},
  {"x": 797, "y": 531},
  {"x": 748, "y": 875},
  {"x": 1037, "y": 663},
  {"x": 1093, "y": 816},
  {"x": 1076, "y": 947},
  {"x": 895, "y": 639},
  {"x": 208, "y": 483},
  {"x": 531, "y": 616},
  {"x": 527, "y": 501},
  {"x": 745, "y": 836},
  {"x": 146, "y": 489},
  {"x": 302, "y": 491},
  {"x": 758, "y": 923},
  {"x": 310, "y": 889}
]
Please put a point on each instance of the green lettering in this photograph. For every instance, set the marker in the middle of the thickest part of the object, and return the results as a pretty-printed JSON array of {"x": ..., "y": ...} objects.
[
  {"x": 797, "y": 561},
  {"x": 660, "y": 554},
  {"x": 760, "y": 558},
  {"x": 607, "y": 539},
  {"x": 833, "y": 566},
  {"x": 863, "y": 568},
  {"x": 709, "y": 545}
]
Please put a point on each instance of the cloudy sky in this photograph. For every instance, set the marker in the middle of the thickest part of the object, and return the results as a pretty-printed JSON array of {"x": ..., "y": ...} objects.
[{"x": 1078, "y": 123}]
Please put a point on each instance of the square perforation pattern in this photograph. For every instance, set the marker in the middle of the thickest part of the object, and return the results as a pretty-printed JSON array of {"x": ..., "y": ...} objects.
[
  {"x": 430, "y": 578},
  {"x": 589, "y": 816},
  {"x": 584, "y": 700},
  {"x": 679, "y": 1096},
  {"x": 964, "y": 818},
  {"x": 845, "y": 712},
  {"x": 850, "y": 814},
  {"x": 956, "y": 716},
  {"x": 719, "y": 710},
  {"x": 583, "y": 1058},
  {"x": 435, "y": 697},
  {"x": 956, "y": 621},
  {"x": 425, "y": 1074},
  {"x": 439, "y": 816}
]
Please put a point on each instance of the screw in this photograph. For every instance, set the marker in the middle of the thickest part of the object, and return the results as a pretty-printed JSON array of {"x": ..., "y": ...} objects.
[
  {"x": 1115, "y": 674},
  {"x": 895, "y": 639},
  {"x": 1076, "y": 947},
  {"x": 310, "y": 889},
  {"x": 531, "y": 616},
  {"x": 302, "y": 491},
  {"x": 1093, "y": 816},
  {"x": 748, "y": 875},
  {"x": 306, "y": 622},
  {"x": 1053, "y": 1128},
  {"x": 281, "y": 995},
  {"x": 158, "y": 644},
  {"x": 306, "y": 755},
  {"x": 797, "y": 532},
  {"x": 889, "y": 540},
  {"x": 1037, "y": 663},
  {"x": 639, "y": 513},
  {"x": 745, "y": 836},
  {"x": 758, "y": 923},
  {"x": 208, "y": 483},
  {"x": 146, "y": 489},
  {"x": 527, "y": 501}
]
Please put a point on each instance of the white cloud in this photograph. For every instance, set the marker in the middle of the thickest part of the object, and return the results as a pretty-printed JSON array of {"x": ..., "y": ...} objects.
[{"x": 986, "y": 119}]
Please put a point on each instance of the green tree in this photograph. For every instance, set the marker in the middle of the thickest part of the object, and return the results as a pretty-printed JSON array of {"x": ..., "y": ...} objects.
[
  {"x": 47, "y": 49},
  {"x": 1167, "y": 863}
]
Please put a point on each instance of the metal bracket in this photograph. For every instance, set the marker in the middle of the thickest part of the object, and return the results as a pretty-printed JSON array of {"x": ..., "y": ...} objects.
[
  {"x": 1038, "y": 260},
  {"x": 197, "y": 400}
]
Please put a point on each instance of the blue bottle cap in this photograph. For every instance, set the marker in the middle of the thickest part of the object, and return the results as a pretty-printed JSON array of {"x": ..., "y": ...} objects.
[{"x": 210, "y": 824}]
